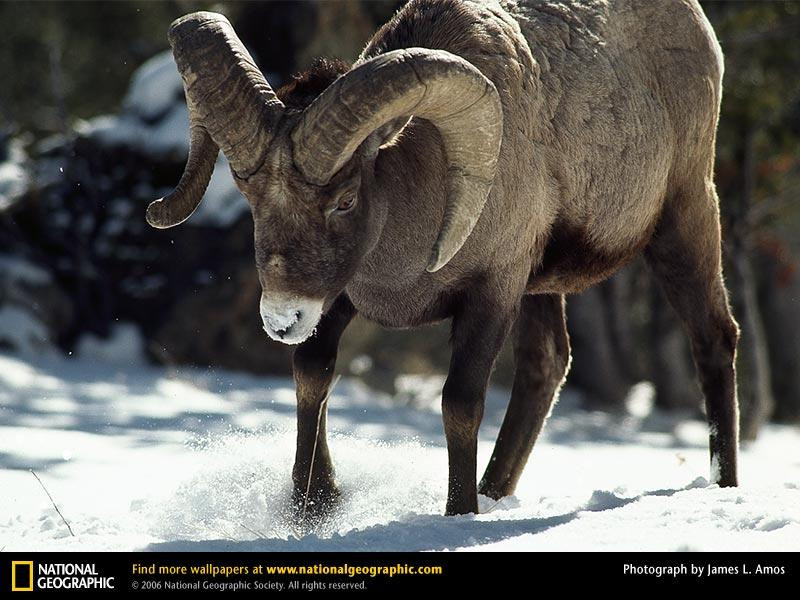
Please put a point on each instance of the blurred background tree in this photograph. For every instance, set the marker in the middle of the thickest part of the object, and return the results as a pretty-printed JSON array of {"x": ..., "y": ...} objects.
[{"x": 72, "y": 206}]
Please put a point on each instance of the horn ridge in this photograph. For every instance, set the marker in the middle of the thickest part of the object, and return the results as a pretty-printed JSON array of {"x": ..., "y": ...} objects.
[{"x": 231, "y": 108}]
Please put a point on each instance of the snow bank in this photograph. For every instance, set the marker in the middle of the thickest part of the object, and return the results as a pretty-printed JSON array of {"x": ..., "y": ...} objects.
[{"x": 174, "y": 459}]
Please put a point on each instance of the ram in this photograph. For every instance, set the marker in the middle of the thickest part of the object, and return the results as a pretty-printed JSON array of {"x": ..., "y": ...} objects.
[{"x": 480, "y": 160}]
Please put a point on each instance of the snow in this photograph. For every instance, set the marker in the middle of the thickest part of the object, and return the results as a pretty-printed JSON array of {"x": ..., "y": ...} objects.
[
  {"x": 14, "y": 269},
  {"x": 142, "y": 457},
  {"x": 14, "y": 179},
  {"x": 23, "y": 331},
  {"x": 154, "y": 117},
  {"x": 124, "y": 346},
  {"x": 155, "y": 88},
  {"x": 167, "y": 137},
  {"x": 20, "y": 326}
]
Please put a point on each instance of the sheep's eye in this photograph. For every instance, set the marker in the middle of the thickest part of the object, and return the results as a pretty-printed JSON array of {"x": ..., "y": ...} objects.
[{"x": 346, "y": 203}]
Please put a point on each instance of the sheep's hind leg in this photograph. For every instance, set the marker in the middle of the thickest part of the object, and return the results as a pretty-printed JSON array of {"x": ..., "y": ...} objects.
[
  {"x": 314, "y": 362},
  {"x": 685, "y": 257},
  {"x": 541, "y": 354}
]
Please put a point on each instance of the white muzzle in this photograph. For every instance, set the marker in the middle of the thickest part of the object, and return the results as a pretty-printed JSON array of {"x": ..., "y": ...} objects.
[{"x": 289, "y": 319}]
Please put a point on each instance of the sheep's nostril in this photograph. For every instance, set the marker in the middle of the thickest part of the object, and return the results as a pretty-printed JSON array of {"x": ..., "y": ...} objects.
[{"x": 283, "y": 331}]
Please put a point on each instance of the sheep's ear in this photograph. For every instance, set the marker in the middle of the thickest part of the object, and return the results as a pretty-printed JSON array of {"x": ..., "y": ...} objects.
[{"x": 383, "y": 135}]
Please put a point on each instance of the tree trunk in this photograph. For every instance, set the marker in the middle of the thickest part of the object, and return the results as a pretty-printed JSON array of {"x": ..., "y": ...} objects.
[{"x": 780, "y": 300}]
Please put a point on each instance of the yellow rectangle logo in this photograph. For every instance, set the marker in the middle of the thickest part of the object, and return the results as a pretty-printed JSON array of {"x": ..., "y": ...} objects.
[{"x": 21, "y": 575}]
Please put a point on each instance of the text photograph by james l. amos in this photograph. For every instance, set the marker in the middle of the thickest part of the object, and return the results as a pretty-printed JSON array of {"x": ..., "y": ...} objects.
[
  {"x": 365, "y": 296},
  {"x": 705, "y": 570}
]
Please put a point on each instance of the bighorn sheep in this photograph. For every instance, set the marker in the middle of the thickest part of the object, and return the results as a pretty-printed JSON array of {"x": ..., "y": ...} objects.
[{"x": 536, "y": 147}]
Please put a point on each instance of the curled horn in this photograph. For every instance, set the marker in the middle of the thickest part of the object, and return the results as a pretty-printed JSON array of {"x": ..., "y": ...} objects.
[
  {"x": 231, "y": 107},
  {"x": 433, "y": 84}
]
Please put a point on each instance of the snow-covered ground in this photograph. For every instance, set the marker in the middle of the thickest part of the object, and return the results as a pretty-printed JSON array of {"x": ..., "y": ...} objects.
[{"x": 139, "y": 457}]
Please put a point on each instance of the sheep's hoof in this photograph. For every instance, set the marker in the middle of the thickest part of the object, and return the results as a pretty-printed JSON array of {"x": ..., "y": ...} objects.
[
  {"x": 495, "y": 491},
  {"x": 321, "y": 502},
  {"x": 461, "y": 506}
]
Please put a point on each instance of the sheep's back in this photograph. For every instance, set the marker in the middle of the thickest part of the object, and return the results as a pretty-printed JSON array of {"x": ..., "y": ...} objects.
[{"x": 607, "y": 105}]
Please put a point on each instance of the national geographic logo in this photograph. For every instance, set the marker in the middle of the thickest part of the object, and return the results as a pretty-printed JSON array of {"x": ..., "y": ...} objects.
[
  {"x": 21, "y": 575},
  {"x": 57, "y": 576}
]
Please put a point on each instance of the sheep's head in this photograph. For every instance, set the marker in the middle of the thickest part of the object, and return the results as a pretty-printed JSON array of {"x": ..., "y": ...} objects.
[{"x": 307, "y": 172}]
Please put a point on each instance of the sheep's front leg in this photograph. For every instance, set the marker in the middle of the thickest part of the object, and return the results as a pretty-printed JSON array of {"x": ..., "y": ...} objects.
[
  {"x": 478, "y": 334},
  {"x": 313, "y": 363}
]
